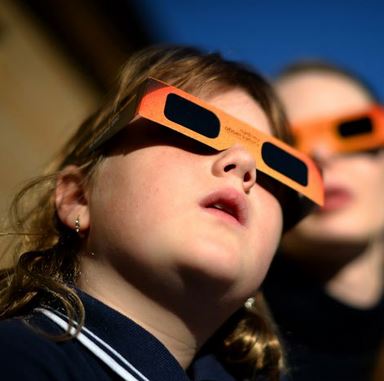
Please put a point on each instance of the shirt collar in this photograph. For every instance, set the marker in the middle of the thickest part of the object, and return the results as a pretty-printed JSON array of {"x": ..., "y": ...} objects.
[
  {"x": 132, "y": 341},
  {"x": 122, "y": 338}
]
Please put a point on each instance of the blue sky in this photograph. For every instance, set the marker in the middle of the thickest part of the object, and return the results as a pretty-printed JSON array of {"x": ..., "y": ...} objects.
[{"x": 271, "y": 33}]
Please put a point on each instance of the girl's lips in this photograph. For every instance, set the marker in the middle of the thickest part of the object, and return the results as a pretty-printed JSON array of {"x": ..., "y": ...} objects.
[
  {"x": 228, "y": 204},
  {"x": 336, "y": 198}
]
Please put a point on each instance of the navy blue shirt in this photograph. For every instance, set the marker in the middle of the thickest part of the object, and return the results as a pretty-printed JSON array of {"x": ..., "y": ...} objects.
[
  {"x": 111, "y": 343},
  {"x": 325, "y": 339},
  {"x": 206, "y": 367}
]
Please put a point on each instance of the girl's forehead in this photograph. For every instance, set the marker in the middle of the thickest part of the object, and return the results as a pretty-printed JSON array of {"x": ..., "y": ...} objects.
[
  {"x": 239, "y": 104},
  {"x": 320, "y": 95}
]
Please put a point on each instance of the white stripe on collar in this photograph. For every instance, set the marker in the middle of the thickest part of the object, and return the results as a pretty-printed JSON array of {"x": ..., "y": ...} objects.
[{"x": 128, "y": 373}]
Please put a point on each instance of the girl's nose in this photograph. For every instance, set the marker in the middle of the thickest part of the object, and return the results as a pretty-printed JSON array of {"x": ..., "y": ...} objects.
[
  {"x": 236, "y": 161},
  {"x": 321, "y": 155}
]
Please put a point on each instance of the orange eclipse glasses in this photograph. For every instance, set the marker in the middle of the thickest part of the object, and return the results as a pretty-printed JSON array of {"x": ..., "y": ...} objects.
[
  {"x": 186, "y": 114},
  {"x": 356, "y": 132}
]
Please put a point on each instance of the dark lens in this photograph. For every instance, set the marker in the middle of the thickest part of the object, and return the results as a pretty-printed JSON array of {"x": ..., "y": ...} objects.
[
  {"x": 355, "y": 127},
  {"x": 192, "y": 116},
  {"x": 283, "y": 162}
]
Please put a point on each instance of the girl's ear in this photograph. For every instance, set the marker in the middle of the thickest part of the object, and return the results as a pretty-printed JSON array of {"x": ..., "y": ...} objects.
[{"x": 71, "y": 199}]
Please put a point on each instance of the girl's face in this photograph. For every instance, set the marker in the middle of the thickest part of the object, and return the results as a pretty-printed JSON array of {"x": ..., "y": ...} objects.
[
  {"x": 354, "y": 183},
  {"x": 164, "y": 208}
]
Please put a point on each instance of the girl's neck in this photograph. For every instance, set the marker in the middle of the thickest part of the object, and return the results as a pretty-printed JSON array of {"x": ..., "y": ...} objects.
[
  {"x": 360, "y": 282},
  {"x": 351, "y": 273},
  {"x": 182, "y": 329}
]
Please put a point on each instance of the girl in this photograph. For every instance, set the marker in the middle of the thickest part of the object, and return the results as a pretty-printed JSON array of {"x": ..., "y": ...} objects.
[
  {"x": 150, "y": 230},
  {"x": 326, "y": 288}
]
